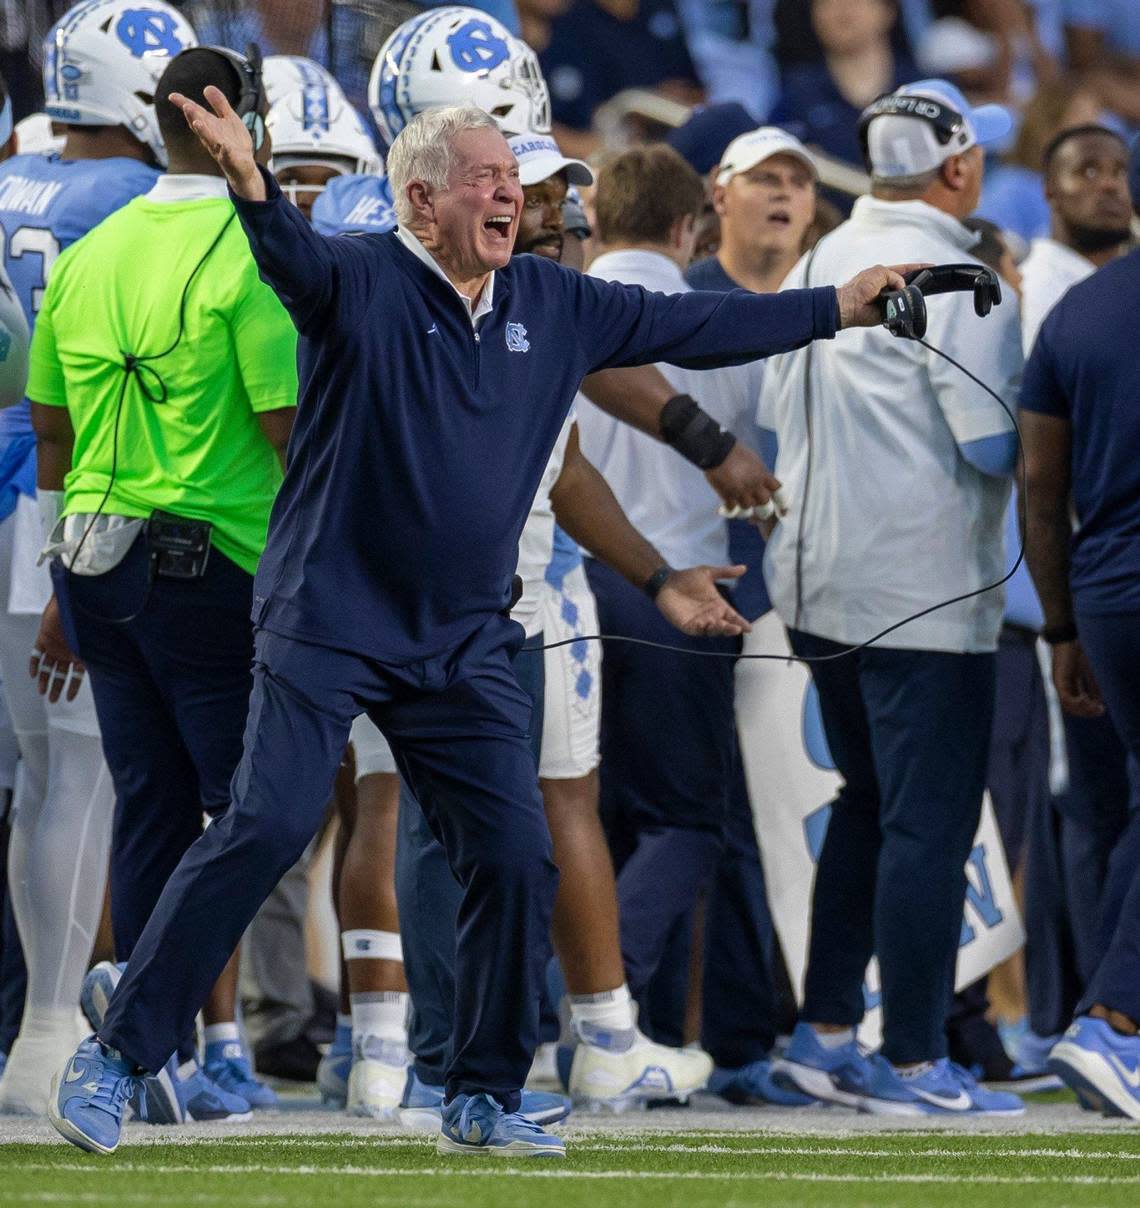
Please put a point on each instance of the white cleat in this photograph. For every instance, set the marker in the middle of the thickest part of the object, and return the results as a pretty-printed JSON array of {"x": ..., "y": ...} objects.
[
  {"x": 46, "y": 1042},
  {"x": 376, "y": 1084},
  {"x": 606, "y": 1079}
]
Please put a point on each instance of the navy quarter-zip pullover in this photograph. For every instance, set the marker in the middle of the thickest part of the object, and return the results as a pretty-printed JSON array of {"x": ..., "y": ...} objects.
[{"x": 419, "y": 442}]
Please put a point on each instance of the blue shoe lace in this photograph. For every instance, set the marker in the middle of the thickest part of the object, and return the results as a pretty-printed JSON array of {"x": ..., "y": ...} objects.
[
  {"x": 517, "y": 1122},
  {"x": 111, "y": 1097}
]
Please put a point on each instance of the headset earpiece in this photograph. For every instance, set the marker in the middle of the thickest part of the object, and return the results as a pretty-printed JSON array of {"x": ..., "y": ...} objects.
[
  {"x": 904, "y": 311},
  {"x": 252, "y": 89}
]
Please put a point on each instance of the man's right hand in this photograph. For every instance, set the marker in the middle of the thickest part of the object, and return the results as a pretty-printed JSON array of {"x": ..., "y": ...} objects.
[
  {"x": 1074, "y": 680},
  {"x": 226, "y": 138}
]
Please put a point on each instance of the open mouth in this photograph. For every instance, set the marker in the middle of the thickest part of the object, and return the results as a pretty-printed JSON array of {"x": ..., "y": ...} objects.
[
  {"x": 780, "y": 218},
  {"x": 499, "y": 226}
]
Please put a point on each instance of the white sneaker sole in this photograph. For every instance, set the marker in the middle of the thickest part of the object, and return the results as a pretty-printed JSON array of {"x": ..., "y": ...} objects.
[
  {"x": 1092, "y": 1068},
  {"x": 513, "y": 1149}
]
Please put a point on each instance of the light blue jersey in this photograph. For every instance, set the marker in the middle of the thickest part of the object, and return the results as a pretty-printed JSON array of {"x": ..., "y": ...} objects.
[{"x": 355, "y": 203}]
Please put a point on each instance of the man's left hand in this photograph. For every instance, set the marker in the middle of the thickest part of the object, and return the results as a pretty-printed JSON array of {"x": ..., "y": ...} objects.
[
  {"x": 52, "y": 663},
  {"x": 859, "y": 299},
  {"x": 742, "y": 480},
  {"x": 691, "y": 601}
]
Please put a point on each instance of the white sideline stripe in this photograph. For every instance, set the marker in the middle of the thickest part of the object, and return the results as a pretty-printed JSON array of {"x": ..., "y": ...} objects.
[
  {"x": 645, "y": 1143},
  {"x": 514, "y": 1172}
]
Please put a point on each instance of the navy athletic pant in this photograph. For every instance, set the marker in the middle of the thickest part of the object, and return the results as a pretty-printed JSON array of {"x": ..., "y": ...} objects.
[
  {"x": 429, "y": 898},
  {"x": 1112, "y": 644},
  {"x": 458, "y": 725},
  {"x": 909, "y": 731},
  {"x": 668, "y": 746},
  {"x": 171, "y": 687}
]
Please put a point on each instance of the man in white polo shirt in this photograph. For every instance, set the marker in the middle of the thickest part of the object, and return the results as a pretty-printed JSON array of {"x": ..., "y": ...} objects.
[{"x": 898, "y": 469}]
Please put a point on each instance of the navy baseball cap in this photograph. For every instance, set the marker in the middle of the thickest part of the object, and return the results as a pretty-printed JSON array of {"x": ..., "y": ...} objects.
[{"x": 705, "y": 137}]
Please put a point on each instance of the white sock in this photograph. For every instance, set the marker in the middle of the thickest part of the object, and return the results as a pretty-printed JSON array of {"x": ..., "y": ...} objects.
[
  {"x": 221, "y": 1033},
  {"x": 611, "y": 1010},
  {"x": 381, "y": 1015},
  {"x": 834, "y": 1040}
]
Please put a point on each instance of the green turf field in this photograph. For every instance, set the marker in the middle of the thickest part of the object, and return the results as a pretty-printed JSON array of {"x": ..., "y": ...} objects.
[{"x": 655, "y": 1170}]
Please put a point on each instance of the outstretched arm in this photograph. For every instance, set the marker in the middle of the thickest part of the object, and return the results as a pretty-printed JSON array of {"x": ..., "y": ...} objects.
[
  {"x": 304, "y": 269},
  {"x": 586, "y": 508}
]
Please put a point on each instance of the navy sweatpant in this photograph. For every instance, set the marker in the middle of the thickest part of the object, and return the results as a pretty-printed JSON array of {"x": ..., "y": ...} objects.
[
  {"x": 171, "y": 688},
  {"x": 429, "y": 897},
  {"x": 668, "y": 747},
  {"x": 909, "y": 731},
  {"x": 458, "y": 725},
  {"x": 1112, "y": 644}
]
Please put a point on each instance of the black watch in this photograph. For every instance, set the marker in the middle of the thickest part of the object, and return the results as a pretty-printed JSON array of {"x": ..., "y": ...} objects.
[
  {"x": 656, "y": 581},
  {"x": 1060, "y": 634}
]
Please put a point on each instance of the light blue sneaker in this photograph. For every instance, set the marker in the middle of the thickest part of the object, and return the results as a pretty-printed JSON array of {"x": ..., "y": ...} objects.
[
  {"x": 88, "y": 1097},
  {"x": 945, "y": 1088},
  {"x": 154, "y": 1098},
  {"x": 333, "y": 1071},
  {"x": 228, "y": 1068},
  {"x": 752, "y": 1084},
  {"x": 202, "y": 1099},
  {"x": 421, "y": 1108},
  {"x": 1101, "y": 1065},
  {"x": 477, "y": 1124},
  {"x": 843, "y": 1075}
]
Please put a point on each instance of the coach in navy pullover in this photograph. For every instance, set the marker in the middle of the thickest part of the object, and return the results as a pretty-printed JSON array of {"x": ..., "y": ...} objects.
[{"x": 425, "y": 419}]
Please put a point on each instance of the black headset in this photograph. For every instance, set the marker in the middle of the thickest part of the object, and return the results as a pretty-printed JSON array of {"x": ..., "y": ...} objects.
[
  {"x": 904, "y": 310},
  {"x": 248, "y": 107},
  {"x": 948, "y": 123}
]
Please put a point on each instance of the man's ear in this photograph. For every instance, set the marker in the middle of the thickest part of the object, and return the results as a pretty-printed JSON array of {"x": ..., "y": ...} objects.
[
  {"x": 718, "y": 199},
  {"x": 953, "y": 173},
  {"x": 420, "y": 196},
  {"x": 681, "y": 230}
]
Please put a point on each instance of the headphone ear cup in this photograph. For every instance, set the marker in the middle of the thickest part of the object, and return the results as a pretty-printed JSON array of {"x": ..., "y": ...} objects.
[
  {"x": 255, "y": 124},
  {"x": 918, "y": 312},
  {"x": 983, "y": 297}
]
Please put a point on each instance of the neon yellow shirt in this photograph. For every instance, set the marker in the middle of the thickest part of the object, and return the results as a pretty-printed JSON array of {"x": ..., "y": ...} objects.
[{"x": 200, "y": 454}]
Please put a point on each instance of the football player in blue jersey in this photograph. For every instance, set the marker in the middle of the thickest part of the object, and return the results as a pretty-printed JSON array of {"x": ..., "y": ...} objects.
[
  {"x": 101, "y": 61},
  {"x": 317, "y": 135}
]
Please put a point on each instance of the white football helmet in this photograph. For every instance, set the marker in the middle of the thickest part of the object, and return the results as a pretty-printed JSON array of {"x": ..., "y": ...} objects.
[
  {"x": 103, "y": 59},
  {"x": 452, "y": 55},
  {"x": 311, "y": 119}
]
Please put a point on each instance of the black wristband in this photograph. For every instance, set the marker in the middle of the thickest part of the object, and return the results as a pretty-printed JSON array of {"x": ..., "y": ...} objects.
[
  {"x": 694, "y": 433},
  {"x": 1060, "y": 634},
  {"x": 656, "y": 581}
]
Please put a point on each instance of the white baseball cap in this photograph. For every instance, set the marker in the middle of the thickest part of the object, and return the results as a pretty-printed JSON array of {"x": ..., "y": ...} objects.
[
  {"x": 902, "y": 144},
  {"x": 540, "y": 158},
  {"x": 748, "y": 150}
]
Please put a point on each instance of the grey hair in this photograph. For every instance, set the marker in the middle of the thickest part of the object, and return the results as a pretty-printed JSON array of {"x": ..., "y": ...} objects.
[
  {"x": 912, "y": 186},
  {"x": 423, "y": 150}
]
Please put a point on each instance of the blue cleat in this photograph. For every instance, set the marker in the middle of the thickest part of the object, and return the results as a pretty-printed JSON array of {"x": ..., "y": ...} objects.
[
  {"x": 154, "y": 1098},
  {"x": 89, "y": 1095},
  {"x": 1101, "y": 1065},
  {"x": 843, "y": 1075},
  {"x": 333, "y": 1071},
  {"x": 421, "y": 1108},
  {"x": 228, "y": 1068},
  {"x": 945, "y": 1088},
  {"x": 202, "y": 1099},
  {"x": 752, "y": 1085},
  {"x": 477, "y": 1124}
]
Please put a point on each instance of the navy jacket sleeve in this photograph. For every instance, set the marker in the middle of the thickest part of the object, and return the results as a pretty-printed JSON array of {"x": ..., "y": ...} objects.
[
  {"x": 316, "y": 277},
  {"x": 627, "y": 325}
]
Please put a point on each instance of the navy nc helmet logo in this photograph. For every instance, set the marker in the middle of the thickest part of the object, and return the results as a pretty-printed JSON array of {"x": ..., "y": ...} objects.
[
  {"x": 148, "y": 31},
  {"x": 475, "y": 47}
]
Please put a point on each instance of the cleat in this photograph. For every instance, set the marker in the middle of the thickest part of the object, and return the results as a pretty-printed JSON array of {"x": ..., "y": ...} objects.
[
  {"x": 476, "y": 1124},
  {"x": 945, "y": 1088},
  {"x": 202, "y": 1099},
  {"x": 46, "y": 1041},
  {"x": 377, "y": 1079},
  {"x": 228, "y": 1068},
  {"x": 1101, "y": 1065},
  {"x": 154, "y": 1098},
  {"x": 843, "y": 1075},
  {"x": 751, "y": 1085},
  {"x": 611, "y": 1072},
  {"x": 543, "y": 1074},
  {"x": 89, "y": 1096},
  {"x": 421, "y": 1106},
  {"x": 332, "y": 1073}
]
